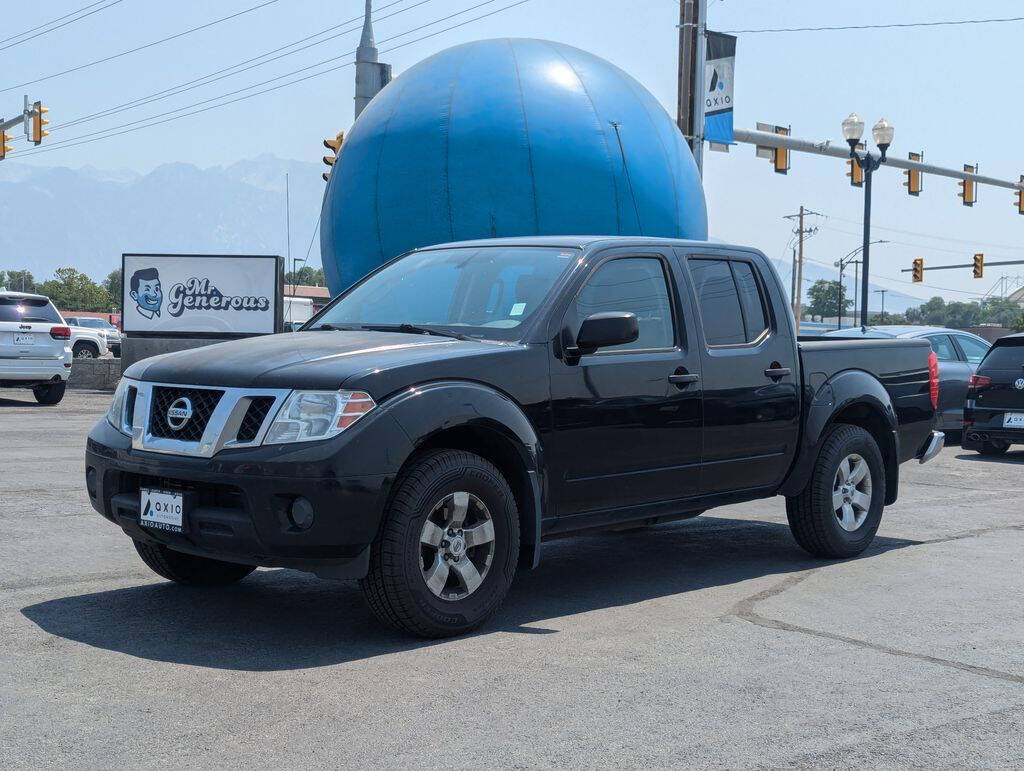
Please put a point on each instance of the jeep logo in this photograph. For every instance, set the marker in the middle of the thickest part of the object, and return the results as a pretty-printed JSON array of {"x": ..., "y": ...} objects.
[{"x": 179, "y": 413}]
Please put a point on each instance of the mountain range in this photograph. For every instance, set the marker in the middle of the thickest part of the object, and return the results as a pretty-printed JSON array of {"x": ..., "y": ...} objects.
[{"x": 52, "y": 217}]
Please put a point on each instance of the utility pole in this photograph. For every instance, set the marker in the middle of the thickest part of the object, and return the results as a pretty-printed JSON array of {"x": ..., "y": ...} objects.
[
  {"x": 690, "y": 92},
  {"x": 882, "y": 292},
  {"x": 792, "y": 284},
  {"x": 800, "y": 232}
]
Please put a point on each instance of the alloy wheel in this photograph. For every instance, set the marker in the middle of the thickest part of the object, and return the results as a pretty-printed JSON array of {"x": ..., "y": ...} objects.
[
  {"x": 851, "y": 492},
  {"x": 456, "y": 546}
]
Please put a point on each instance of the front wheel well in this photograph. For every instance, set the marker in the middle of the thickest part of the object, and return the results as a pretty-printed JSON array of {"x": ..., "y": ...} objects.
[
  {"x": 872, "y": 420},
  {"x": 500, "y": 450}
]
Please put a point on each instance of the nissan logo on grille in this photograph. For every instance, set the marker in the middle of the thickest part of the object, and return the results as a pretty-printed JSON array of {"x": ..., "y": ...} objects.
[{"x": 179, "y": 413}]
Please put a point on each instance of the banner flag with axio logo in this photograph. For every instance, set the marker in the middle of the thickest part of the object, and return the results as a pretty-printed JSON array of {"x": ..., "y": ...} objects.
[{"x": 719, "y": 77}]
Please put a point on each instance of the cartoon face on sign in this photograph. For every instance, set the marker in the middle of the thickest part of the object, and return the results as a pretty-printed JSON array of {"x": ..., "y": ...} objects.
[{"x": 147, "y": 292}]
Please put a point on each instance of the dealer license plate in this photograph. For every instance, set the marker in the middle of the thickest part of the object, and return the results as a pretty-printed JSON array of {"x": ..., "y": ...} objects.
[
  {"x": 1013, "y": 420},
  {"x": 28, "y": 339},
  {"x": 162, "y": 509}
]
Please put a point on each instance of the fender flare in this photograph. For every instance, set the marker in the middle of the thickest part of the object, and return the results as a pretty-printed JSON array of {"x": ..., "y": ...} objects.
[
  {"x": 425, "y": 411},
  {"x": 849, "y": 388}
]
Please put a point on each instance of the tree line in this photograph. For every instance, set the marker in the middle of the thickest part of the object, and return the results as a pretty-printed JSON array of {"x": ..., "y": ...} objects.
[
  {"x": 72, "y": 290},
  {"x": 827, "y": 297}
]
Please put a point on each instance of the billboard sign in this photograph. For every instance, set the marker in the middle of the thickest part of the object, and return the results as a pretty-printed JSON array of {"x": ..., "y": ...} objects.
[{"x": 191, "y": 294}]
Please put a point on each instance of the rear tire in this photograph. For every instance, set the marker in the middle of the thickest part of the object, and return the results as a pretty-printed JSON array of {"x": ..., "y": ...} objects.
[
  {"x": 432, "y": 580},
  {"x": 189, "y": 569},
  {"x": 994, "y": 449},
  {"x": 49, "y": 394},
  {"x": 818, "y": 524}
]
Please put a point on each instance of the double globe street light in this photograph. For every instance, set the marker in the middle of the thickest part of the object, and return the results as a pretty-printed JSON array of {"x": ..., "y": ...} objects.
[{"x": 882, "y": 132}]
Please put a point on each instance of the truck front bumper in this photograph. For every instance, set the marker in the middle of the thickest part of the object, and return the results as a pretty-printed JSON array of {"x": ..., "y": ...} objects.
[{"x": 237, "y": 502}]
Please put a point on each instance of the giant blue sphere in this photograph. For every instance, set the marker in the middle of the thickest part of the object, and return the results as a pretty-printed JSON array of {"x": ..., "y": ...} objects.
[{"x": 506, "y": 137}]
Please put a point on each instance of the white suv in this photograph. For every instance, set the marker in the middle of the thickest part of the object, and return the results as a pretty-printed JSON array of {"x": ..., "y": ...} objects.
[{"x": 35, "y": 346}]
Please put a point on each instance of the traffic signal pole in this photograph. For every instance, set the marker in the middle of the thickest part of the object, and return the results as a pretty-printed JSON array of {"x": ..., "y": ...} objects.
[{"x": 690, "y": 92}]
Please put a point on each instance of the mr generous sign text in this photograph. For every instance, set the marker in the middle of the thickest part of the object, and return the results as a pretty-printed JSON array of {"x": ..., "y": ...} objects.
[{"x": 199, "y": 295}]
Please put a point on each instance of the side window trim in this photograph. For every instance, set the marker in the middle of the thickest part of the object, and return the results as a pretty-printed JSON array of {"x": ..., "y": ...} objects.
[
  {"x": 678, "y": 334},
  {"x": 758, "y": 281}
]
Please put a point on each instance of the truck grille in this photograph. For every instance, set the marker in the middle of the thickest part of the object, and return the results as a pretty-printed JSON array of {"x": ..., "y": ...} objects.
[
  {"x": 254, "y": 417},
  {"x": 203, "y": 403}
]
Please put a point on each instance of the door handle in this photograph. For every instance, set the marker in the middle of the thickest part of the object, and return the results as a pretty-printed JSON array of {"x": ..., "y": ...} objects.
[
  {"x": 681, "y": 379},
  {"x": 777, "y": 372}
]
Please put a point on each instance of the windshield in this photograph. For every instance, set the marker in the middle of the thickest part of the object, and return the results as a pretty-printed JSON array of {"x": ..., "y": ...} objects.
[{"x": 483, "y": 292}]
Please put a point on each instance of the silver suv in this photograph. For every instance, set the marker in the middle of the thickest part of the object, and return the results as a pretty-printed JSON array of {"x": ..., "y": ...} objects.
[
  {"x": 35, "y": 346},
  {"x": 103, "y": 327}
]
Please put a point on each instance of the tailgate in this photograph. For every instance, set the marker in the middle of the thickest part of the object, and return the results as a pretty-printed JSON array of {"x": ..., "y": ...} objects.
[{"x": 20, "y": 340}]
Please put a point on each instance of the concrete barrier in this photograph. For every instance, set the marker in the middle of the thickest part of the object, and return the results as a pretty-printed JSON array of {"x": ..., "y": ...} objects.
[{"x": 95, "y": 374}]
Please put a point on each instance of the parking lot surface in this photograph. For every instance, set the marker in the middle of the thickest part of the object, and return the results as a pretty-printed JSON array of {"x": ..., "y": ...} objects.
[{"x": 710, "y": 642}]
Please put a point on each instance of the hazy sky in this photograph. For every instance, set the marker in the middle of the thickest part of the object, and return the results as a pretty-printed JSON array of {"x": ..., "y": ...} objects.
[{"x": 953, "y": 92}]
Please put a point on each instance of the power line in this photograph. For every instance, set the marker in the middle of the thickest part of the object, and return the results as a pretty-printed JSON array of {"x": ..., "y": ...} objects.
[
  {"x": 140, "y": 48},
  {"x": 238, "y": 68},
  {"x": 51, "y": 29},
  {"x": 929, "y": 235},
  {"x": 53, "y": 21},
  {"x": 948, "y": 23},
  {"x": 66, "y": 142},
  {"x": 71, "y": 143}
]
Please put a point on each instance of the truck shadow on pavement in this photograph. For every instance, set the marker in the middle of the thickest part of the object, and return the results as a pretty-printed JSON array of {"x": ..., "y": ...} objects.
[
  {"x": 1012, "y": 457},
  {"x": 281, "y": 620}
]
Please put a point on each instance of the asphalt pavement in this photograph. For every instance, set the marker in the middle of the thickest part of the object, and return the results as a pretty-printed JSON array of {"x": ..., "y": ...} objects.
[{"x": 710, "y": 642}]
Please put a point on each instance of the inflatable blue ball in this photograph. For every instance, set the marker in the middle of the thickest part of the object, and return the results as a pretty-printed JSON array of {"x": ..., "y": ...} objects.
[{"x": 506, "y": 138}]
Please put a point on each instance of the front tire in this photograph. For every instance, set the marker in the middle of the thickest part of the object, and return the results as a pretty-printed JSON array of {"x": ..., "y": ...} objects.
[
  {"x": 189, "y": 569},
  {"x": 49, "y": 395},
  {"x": 448, "y": 547},
  {"x": 837, "y": 514},
  {"x": 85, "y": 351}
]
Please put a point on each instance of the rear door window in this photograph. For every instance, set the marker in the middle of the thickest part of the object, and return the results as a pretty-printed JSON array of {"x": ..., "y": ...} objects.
[
  {"x": 731, "y": 301},
  {"x": 28, "y": 310}
]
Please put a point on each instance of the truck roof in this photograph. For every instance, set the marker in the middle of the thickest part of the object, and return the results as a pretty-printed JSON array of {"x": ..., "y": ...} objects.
[{"x": 583, "y": 242}]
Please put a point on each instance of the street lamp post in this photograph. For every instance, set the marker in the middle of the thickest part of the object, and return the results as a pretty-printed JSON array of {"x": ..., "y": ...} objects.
[{"x": 882, "y": 132}]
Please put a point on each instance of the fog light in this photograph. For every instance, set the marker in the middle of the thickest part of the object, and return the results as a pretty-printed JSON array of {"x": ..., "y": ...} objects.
[
  {"x": 301, "y": 514},
  {"x": 90, "y": 481}
]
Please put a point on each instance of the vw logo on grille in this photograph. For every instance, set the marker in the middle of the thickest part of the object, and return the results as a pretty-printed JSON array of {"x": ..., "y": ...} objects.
[
  {"x": 1019, "y": 384},
  {"x": 179, "y": 413}
]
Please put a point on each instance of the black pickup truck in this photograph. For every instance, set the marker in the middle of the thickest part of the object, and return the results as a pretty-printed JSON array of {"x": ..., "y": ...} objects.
[{"x": 435, "y": 423}]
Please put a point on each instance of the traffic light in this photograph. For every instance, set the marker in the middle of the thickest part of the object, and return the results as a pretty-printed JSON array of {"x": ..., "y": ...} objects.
[
  {"x": 780, "y": 155},
  {"x": 979, "y": 265},
  {"x": 1019, "y": 194},
  {"x": 335, "y": 145},
  {"x": 918, "y": 272},
  {"x": 856, "y": 173},
  {"x": 38, "y": 121},
  {"x": 913, "y": 183},
  {"x": 4, "y": 147},
  {"x": 968, "y": 189}
]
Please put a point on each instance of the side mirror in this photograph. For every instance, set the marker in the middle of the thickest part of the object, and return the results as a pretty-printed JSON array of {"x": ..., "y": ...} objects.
[{"x": 601, "y": 330}]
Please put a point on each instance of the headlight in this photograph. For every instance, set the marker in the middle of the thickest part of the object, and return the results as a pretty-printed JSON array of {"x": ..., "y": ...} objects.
[
  {"x": 116, "y": 413},
  {"x": 311, "y": 415}
]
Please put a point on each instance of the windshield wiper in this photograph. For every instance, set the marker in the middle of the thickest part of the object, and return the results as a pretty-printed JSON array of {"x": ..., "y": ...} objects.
[
  {"x": 415, "y": 329},
  {"x": 331, "y": 328}
]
